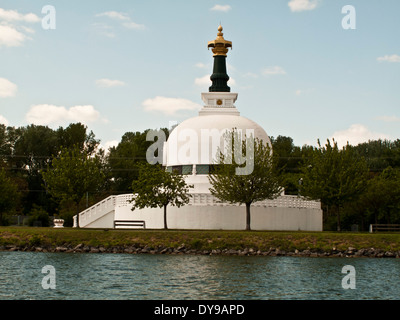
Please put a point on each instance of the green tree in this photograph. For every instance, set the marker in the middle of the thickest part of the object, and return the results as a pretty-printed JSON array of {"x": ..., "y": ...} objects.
[
  {"x": 123, "y": 160},
  {"x": 156, "y": 187},
  {"x": 382, "y": 197},
  {"x": 259, "y": 182},
  {"x": 76, "y": 134},
  {"x": 73, "y": 174},
  {"x": 334, "y": 176},
  {"x": 8, "y": 195},
  {"x": 288, "y": 160}
]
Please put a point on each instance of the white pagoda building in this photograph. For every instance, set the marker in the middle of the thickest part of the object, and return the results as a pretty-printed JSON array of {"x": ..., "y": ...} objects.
[{"x": 191, "y": 149}]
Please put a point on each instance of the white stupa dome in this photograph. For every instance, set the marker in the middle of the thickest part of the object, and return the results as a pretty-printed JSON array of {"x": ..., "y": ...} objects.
[
  {"x": 196, "y": 140},
  {"x": 193, "y": 146}
]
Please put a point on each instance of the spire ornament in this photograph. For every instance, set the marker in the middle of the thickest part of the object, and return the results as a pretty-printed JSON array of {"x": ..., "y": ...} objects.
[
  {"x": 219, "y": 77},
  {"x": 220, "y": 45}
]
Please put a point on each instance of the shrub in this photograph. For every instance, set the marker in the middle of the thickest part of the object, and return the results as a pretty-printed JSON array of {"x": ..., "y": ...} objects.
[{"x": 38, "y": 217}]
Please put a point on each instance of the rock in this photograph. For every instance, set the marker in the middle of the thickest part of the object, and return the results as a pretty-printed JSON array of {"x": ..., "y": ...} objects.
[
  {"x": 79, "y": 246},
  {"x": 359, "y": 253},
  {"x": 389, "y": 254}
]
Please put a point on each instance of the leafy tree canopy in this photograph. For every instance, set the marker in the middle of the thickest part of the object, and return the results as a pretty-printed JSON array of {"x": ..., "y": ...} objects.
[
  {"x": 259, "y": 181},
  {"x": 156, "y": 187}
]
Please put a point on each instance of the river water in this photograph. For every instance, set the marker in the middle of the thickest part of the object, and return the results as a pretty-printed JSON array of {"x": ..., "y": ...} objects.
[{"x": 87, "y": 276}]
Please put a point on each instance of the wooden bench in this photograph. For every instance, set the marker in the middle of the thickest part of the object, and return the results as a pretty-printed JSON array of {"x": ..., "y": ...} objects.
[
  {"x": 384, "y": 227},
  {"x": 129, "y": 224}
]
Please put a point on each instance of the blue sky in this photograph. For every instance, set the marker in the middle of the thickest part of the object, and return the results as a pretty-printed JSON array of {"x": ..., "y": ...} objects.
[{"x": 121, "y": 66}]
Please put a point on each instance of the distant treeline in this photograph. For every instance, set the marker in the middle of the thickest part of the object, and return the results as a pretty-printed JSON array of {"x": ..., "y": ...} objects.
[{"x": 27, "y": 153}]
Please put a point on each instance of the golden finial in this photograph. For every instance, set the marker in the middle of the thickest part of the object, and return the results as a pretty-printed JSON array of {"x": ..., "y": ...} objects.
[{"x": 220, "y": 45}]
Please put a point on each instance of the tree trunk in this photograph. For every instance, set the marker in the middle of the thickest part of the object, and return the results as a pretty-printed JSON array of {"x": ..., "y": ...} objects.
[
  {"x": 165, "y": 217},
  {"x": 248, "y": 216}
]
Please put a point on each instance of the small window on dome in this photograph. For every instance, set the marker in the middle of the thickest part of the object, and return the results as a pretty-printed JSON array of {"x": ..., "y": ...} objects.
[
  {"x": 187, "y": 169},
  {"x": 202, "y": 169}
]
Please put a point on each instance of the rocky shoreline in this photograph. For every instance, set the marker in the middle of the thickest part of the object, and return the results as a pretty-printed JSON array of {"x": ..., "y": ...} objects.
[{"x": 182, "y": 249}]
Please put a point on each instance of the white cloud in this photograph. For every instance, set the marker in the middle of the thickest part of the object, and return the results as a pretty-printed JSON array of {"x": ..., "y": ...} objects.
[
  {"x": 223, "y": 8},
  {"x": 203, "y": 81},
  {"x": 46, "y": 114},
  {"x": 389, "y": 118},
  {"x": 114, "y": 15},
  {"x": 12, "y": 30},
  {"x": 302, "y": 5},
  {"x": 121, "y": 17},
  {"x": 83, "y": 113},
  {"x": 108, "y": 83},
  {"x": 109, "y": 144},
  {"x": 7, "y": 88},
  {"x": 133, "y": 25},
  {"x": 273, "y": 70},
  {"x": 169, "y": 106},
  {"x": 357, "y": 133},
  {"x": 11, "y": 37},
  {"x": 12, "y": 15},
  {"x": 3, "y": 120},
  {"x": 387, "y": 58}
]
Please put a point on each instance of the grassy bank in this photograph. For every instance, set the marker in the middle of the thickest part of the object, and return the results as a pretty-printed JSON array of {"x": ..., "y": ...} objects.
[{"x": 199, "y": 240}]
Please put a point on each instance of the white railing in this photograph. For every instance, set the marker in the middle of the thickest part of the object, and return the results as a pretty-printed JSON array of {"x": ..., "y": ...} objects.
[
  {"x": 284, "y": 201},
  {"x": 123, "y": 200},
  {"x": 96, "y": 211}
]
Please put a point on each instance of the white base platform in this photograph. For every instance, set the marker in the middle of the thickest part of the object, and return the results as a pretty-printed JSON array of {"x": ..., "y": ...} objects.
[{"x": 204, "y": 212}]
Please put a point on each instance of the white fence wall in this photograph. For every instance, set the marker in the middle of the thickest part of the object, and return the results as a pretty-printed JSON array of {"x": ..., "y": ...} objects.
[{"x": 205, "y": 212}]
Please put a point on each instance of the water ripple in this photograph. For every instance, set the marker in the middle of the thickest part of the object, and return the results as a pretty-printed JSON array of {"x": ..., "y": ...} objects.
[{"x": 124, "y": 276}]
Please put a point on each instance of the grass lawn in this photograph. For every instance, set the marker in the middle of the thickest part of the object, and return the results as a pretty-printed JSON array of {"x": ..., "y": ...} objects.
[{"x": 199, "y": 239}]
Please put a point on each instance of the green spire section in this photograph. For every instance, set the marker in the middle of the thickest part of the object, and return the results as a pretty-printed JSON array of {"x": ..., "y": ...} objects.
[{"x": 219, "y": 77}]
